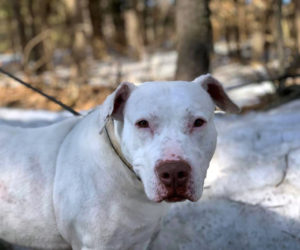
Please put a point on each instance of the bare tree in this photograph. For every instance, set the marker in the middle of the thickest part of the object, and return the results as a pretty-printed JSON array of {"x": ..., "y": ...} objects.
[
  {"x": 12, "y": 37},
  {"x": 297, "y": 23},
  {"x": 262, "y": 33},
  {"x": 117, "y": 13},
  {"x": 37, "y": 50},
  {"x": 279, "y": 40},
  {"x": 194, "y": 35},
  {"x": 96, "y": 15},
  {"x": 75, "y": 27},
  {"x": 236, "y": 31},
  {"x": 16, "y": 5},
  {"x": 31, "y": 18},
  {"x": 133, "y": 30}
]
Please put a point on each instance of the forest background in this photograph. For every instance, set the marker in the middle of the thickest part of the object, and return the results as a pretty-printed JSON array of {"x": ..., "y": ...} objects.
[{"x": 80, "y": 50}]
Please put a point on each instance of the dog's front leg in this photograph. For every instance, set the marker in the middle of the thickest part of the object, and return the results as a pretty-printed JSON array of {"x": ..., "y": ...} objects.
[{"x": 154, "y": 236}]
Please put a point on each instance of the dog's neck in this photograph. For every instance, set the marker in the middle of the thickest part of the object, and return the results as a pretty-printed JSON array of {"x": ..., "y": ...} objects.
[{"x": 115, "y": 144}]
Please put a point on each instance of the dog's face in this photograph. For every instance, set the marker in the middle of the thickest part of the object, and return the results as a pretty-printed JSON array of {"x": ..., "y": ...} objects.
[{"x": 169, "y": 137}]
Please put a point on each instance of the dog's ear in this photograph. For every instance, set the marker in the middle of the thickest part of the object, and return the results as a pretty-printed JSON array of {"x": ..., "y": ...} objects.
[
  {"x": 114, "y": 104},
  {"x": 217, "y": 93}
]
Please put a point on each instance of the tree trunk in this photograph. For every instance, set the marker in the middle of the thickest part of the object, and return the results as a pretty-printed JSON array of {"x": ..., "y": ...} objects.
[
  {"x": 98, "y": 44},
  {"x": 297, "y": 23},
  {"x": 257, "y": 41},
  {"x": 116, "y": 10},
  {"x": 227, "y": 31},
  {"x": 279, "y": 42},
  {"x": 194, "y": 35},
  {"x": 279, "y": 34},
  {"x": 11, "y": 31},
  {"x": 267, "y": 18},
  {"x": 74, "y": 23},
  {"x": 145, "y": 14},
  {"x": 46, "y": 7},
  {"x": 20, "y": 22},
  {"x": 262, "y": 35},
  {"x": 37, "y": 50},
  {"x": 236, "y": 30},
  {"x": 133, "y": 30}
]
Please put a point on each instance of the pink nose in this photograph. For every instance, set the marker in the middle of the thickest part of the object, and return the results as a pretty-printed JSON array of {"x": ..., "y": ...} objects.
[{"x": 173, "y": 174}]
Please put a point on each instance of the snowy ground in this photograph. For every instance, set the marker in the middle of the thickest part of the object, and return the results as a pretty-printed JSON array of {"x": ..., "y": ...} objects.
[
  {"x": 252, "y": 191},
  {"x": 251, "y": 198}
]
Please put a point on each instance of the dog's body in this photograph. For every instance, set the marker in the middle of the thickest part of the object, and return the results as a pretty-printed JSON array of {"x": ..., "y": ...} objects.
[
  {"x": 65, "y": 185},
  {"x": 27, "y": 170}
]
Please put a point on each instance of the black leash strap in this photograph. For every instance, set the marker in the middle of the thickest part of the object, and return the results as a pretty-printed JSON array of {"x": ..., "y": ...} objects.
[
  {"x": 114, "y": 146},
  {"x": 40, "y": 92}
]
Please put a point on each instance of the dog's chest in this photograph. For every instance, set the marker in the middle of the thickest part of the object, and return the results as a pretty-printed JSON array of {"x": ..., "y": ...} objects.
[
  {"x": 136, "y": 237},
  {"x": 128, "y": 225}
]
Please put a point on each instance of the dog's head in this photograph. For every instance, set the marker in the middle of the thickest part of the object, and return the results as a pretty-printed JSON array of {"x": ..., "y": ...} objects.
[{"x": 167, "y": 133}]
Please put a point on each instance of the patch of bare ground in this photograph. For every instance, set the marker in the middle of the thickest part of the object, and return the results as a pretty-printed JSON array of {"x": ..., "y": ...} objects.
[
  {"x": 82, "y": 98},
  {"x": 270, "y": 101}
]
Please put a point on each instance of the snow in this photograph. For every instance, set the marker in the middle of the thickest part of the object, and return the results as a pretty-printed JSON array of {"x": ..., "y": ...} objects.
[
  {"x": 29, "y": 118},
  {"x": 249, "y": 95},
  {"x": 251, "y": 196}
]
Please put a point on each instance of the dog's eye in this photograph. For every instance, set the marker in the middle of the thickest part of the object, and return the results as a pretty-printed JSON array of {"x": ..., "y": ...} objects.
[
  {"x": 199, "y": 122},
  {"x": 143, "y": 124}
]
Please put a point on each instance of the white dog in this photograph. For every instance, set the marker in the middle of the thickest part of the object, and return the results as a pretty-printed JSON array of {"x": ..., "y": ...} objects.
[{"x": 103, "y": 181}]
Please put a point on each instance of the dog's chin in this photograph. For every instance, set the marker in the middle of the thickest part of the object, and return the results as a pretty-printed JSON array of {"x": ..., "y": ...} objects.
[{"x": 174, "y": 198}]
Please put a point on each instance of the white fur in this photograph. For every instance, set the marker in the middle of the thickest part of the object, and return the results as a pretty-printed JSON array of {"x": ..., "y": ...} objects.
[{"x": 63, "y": 185}]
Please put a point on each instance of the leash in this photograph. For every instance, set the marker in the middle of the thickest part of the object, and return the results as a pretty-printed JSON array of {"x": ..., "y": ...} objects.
[
  {"x": 108, "y": 127},
  {"x": 51, "y": 98}
]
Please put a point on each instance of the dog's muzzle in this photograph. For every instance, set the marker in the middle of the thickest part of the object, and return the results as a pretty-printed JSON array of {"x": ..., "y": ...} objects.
[{"x": 174, "y": 177}]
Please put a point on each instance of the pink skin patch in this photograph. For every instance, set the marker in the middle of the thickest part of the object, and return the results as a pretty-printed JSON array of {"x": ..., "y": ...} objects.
[
  {"x": 4, "y": 196},
  {"x": 172, "y": 151}
]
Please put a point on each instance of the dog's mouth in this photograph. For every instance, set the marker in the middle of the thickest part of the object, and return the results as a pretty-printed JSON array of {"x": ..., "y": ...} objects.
[
  {"x": 171, "y": 194},
  {"x": 175, "y": 198}
]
